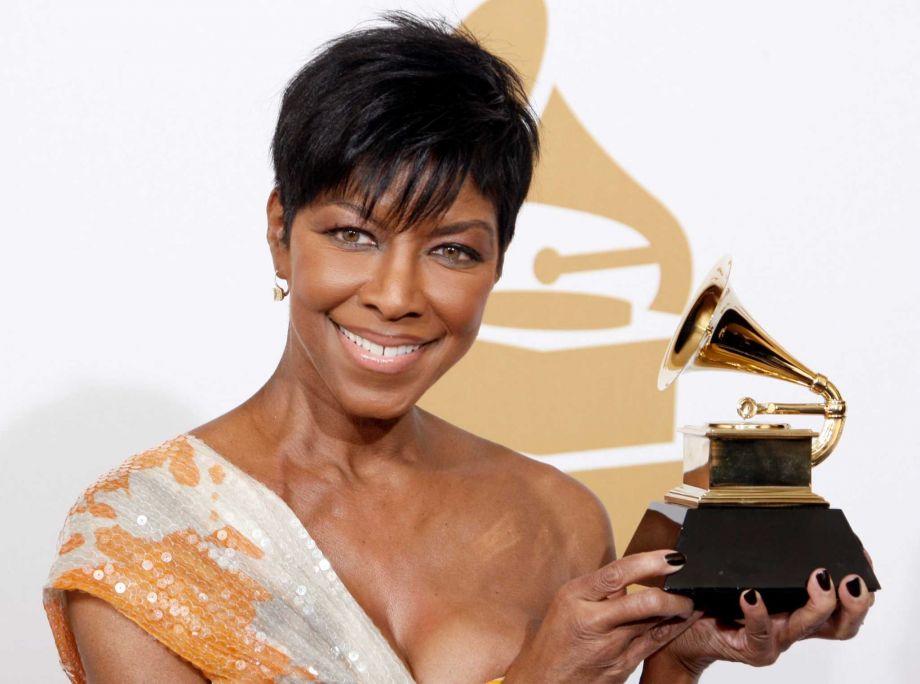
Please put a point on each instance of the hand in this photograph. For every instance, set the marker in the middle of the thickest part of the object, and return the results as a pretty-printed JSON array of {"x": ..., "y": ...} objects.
[
  {"x": 594, "y": 632},
  {"x": 763, "y": 637}
]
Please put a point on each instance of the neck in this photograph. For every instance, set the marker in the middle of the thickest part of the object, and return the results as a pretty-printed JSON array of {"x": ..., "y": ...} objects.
[{"x": 308, "y": 428}]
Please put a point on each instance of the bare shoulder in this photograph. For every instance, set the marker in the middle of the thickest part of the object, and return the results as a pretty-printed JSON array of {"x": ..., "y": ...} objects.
[
  {"x": 577, "y": 519},
  {"x": 580, "y": 517},
  {"x": 135, "y": 657}
]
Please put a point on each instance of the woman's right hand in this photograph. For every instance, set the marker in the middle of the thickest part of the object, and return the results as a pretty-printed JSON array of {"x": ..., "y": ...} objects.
[{"x": 595, "y": 632}]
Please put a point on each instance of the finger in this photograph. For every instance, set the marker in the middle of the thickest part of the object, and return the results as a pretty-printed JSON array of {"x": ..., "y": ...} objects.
[
  {"x": 868, "y": 558},
  {"x": 758, "y": 629},
  {"x": 614, "y": 577},
  {"x": 855, "y": 601},
  {"x": 638, "y": 611},
  {"x": 808, "y": 620},
  {"x": 622, "y": 635},
  {"x": 658, "y": 636}
]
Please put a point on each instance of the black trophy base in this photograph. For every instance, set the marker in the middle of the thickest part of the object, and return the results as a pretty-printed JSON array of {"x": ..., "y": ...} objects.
[{"x": 730, "y": 549}]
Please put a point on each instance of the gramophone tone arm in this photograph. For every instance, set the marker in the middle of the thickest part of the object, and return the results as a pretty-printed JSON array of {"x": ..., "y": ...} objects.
[
  {"x": 833, "y": 410},
  {"x": 748, "y": 408}
]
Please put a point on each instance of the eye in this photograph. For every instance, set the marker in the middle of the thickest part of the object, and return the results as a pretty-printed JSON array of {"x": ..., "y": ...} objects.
[
  {"x": 457, "y": 254},
  {"x": 352, "y": 237}
]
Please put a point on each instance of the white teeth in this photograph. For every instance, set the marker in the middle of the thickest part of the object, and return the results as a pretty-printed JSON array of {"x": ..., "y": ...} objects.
[{"x": 377, "y": 349}]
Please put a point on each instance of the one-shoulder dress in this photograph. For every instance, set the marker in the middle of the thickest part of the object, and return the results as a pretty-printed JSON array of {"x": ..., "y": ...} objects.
[{"x": 217, "y": 567}]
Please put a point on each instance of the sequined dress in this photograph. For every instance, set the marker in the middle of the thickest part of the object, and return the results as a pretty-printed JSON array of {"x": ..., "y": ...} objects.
[{"x": 218, "y": 568}]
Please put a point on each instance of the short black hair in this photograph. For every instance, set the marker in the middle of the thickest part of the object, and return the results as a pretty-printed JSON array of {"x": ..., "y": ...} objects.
[{"x": 415, "y": 95}]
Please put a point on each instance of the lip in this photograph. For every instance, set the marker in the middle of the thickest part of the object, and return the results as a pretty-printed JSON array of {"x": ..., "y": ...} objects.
[
  {"x": 383, "y": 338},
  {"x": 381, "y": 364}
]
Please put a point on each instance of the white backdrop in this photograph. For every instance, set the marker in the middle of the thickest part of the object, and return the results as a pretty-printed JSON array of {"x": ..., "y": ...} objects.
[{"x": 135, "y": 281}]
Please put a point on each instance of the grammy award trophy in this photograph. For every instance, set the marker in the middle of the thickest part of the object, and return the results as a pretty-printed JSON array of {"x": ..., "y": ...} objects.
[{"x": 745, "y": 516}]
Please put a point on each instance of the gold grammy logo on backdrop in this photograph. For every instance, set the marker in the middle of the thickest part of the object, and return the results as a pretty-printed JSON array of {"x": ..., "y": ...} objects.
[{"x": 574, "y": 397}]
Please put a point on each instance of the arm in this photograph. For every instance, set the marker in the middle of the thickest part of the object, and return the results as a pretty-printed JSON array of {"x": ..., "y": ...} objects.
[
  {"x": 114, "y": 650},
  {"x": 658, "y": 668},
  {"x": 593, "y": 631},
  {"x": 596, "y": 633}
]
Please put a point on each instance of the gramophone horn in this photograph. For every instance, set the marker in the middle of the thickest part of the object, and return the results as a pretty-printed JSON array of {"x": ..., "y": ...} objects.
[{"x": 715, "y": 332}]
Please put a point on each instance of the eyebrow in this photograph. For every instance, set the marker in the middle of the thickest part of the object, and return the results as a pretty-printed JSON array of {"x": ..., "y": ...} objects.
[
  {"x": 460, "y": 226},
  {"x": 440, "y": 231}
]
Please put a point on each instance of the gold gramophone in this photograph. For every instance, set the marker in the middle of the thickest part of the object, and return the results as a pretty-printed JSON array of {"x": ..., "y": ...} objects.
[{"x": 745, "y": 516}]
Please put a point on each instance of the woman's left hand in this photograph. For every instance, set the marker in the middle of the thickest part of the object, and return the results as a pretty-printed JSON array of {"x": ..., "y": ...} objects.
[{"x": 828, "y": 614}]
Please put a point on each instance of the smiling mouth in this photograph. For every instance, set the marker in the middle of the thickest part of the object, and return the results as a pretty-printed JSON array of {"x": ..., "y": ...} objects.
[{"x": 378, "y": 349}]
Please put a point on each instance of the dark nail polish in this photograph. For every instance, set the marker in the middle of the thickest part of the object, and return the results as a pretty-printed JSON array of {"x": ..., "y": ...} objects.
[
  {"x": 824, "y": 580},
  {"x": 750, "y": 596},
  {"x": 854, "y": 587},
  {"x": 676, "y": 558}
]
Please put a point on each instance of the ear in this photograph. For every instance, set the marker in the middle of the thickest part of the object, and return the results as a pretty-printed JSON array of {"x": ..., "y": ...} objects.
[{"x": 280, "y": 253}]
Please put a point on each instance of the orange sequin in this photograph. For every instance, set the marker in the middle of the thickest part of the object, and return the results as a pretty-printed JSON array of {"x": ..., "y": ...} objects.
[
  {"x": 229, "y": 537},
  {"x": 74, "y": 541},
  {"x": 216, "y": 473}
]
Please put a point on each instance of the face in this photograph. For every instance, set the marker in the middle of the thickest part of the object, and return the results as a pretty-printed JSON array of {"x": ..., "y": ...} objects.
[{"x": 377, "y": 315}]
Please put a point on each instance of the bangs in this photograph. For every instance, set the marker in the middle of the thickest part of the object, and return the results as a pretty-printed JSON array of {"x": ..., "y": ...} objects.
[{"x": 421, "y": 188}]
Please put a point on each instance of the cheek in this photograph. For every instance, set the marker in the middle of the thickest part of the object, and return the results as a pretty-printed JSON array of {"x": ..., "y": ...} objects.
[
  {"x": 322, "y": 281},
  {"x": 460, "y": 303}
]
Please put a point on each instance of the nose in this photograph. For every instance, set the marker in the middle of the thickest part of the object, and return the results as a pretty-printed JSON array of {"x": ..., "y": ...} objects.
[{"x": 394, "y": 285}]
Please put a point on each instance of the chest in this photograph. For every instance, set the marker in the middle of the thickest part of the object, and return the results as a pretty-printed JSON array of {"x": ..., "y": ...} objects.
[{"x": 452, "y": 585}]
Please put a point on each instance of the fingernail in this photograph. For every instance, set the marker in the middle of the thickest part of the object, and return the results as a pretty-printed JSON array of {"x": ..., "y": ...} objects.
[
  {"x": 824, "y": 580},
  {"x": 676, "y": 558},
  {"x": 854, "y": 587},
  {"x": 751, "y": 597}
]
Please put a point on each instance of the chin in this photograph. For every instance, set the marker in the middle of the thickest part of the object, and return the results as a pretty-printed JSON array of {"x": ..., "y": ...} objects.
[{"x": 381, "y": 407}]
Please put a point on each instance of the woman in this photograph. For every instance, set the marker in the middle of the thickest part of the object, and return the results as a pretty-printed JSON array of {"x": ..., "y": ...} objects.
[{"x": 328, "y": 529}]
